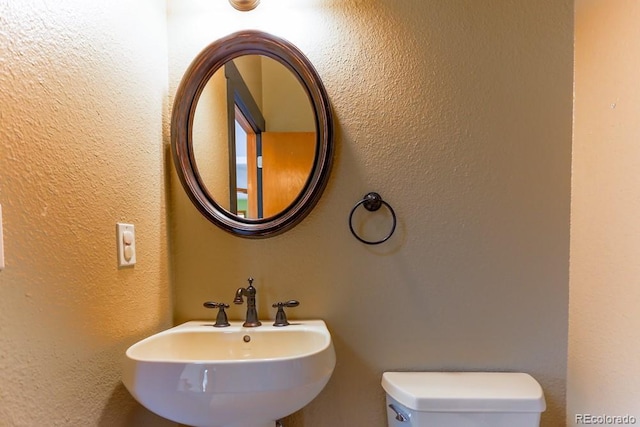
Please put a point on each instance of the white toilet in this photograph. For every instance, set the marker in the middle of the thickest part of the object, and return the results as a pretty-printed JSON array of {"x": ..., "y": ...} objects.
[{"x": 462, "y": 399}]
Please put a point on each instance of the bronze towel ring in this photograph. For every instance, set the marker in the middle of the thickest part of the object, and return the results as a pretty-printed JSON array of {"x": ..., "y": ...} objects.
[{"x": 372, "y": 202}]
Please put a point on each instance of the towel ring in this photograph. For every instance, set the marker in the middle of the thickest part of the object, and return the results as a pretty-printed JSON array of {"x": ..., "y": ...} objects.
[{"x": 372, "y": 202}]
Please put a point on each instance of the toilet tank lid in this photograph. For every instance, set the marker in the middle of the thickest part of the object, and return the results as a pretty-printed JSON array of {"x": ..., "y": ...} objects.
[{"x": 465, "y": 391}]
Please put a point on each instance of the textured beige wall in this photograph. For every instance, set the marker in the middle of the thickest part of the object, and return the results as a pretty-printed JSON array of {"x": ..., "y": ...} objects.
[
  {"x": 82, "y": 91},
  {"x": 604, "y": 317},
  {"x": 459, "y": 113}
]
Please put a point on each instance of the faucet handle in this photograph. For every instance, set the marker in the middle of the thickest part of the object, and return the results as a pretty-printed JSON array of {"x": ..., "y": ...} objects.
[
  {"x": 221, "y": 318},
  {"x": 290, "y": 303},
  {"x": 281, "y": 316}
]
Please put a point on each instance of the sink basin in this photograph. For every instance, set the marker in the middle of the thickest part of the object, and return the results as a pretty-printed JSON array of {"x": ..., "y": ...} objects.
[{"x": 199, "y": 375}]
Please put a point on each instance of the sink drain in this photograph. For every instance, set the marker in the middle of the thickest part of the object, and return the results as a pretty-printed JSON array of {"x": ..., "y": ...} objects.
[{"x": 246, "y": 338}]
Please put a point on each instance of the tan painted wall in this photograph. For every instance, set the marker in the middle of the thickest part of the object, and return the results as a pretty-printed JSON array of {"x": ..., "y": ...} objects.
[
  {"x": 211, "y": 138},
  {"x": 604, "y": 317},
  {"x": 459, "y": 113},
  {"x": 290, "y": 113},
  {"x": 82, "y": 96}
]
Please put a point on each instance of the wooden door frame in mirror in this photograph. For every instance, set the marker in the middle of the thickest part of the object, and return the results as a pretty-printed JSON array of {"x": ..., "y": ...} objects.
[{"x": 211, "y": 59}]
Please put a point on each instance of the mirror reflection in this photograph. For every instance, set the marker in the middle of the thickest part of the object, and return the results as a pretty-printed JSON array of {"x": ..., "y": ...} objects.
[{"x": 254, "y": 137}]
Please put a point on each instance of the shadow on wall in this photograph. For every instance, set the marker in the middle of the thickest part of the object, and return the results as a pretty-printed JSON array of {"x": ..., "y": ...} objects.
[
  {"x": 345, "y": 397},
  {"x": 123, "y": 410}
]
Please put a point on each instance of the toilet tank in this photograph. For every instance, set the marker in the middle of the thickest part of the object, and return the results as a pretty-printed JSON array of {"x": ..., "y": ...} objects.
[{"x": 462, "y": 399}]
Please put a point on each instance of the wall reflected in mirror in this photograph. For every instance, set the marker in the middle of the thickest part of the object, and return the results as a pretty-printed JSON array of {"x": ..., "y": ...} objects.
[{"x": 254, "y": 137}]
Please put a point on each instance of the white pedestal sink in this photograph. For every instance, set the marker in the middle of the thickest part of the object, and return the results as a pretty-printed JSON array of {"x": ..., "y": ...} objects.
[{"x": 203, "y": 376}]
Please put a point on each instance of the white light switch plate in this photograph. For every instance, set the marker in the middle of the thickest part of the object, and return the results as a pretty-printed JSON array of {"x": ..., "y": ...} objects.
[
  {"x": 1, "y": 242},
  {"x": 126, "y": 243}
]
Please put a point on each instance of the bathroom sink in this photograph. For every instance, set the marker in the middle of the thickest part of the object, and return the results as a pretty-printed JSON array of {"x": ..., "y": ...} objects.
[{"x": 199, "y": 375}]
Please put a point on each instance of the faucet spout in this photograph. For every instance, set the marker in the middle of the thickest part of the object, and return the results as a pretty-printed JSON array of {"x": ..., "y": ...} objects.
[
  {"x": 250, "y": 291},
  {"x": 238, "y": 298}
]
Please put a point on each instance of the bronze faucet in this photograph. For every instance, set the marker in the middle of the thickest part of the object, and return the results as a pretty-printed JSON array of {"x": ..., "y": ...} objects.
[{"x": 252, "y": 314}]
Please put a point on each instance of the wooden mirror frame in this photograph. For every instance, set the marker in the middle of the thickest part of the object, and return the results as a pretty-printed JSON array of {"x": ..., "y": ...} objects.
[{"x": 212, "y": 58}]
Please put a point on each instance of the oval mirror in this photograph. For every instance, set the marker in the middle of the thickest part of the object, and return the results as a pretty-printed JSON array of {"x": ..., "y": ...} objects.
[{"x": 252, "y": 134}]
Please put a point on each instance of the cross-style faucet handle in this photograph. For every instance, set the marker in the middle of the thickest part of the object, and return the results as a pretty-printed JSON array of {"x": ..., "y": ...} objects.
[
  {"x": 281, "y": 316},
  {"x": 221, "y": 318}
]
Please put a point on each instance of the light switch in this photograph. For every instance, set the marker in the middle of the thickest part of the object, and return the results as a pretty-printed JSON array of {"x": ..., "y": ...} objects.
[
  {"x": 127, "y": 238},
  {"x": 1, "y": 242},
  {"x": 126, "y": 243}
]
